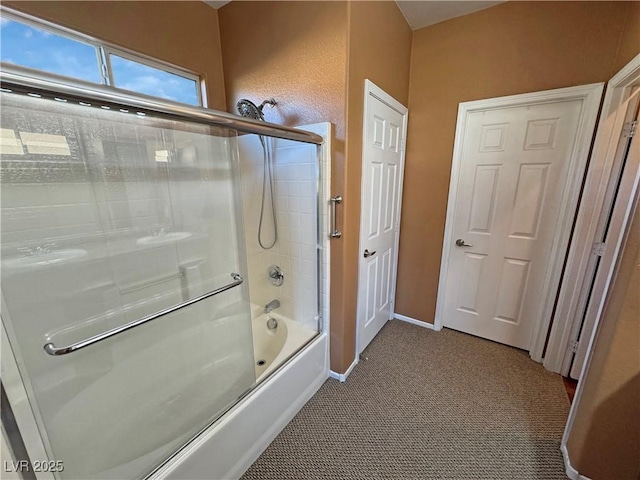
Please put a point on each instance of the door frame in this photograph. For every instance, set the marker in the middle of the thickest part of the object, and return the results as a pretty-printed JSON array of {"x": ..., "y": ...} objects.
[
  {"x": 372, "y": 90},
  {"x": 574, "y": 295},
  {"x": 590, "y": 96},
  {"x": 625, "y": 208}
]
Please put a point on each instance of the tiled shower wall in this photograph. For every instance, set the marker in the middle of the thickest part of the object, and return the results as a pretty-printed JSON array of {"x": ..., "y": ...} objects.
[{"x": 295, "y": 252}]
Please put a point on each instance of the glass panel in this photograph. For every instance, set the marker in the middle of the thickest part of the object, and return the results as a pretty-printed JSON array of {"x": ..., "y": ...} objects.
[
  {"x": 140, "y": 78},
  {"x": 107, "y": 217},
  {"x": 33, "y": 47},
  {"x": 291, "y": 170}
]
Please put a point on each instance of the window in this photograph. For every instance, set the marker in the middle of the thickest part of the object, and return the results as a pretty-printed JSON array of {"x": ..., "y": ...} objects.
[
  {"x": 33, "y": 47},
  {"x": 137, "y": 77},
  {"x": 26, "y": 42}
]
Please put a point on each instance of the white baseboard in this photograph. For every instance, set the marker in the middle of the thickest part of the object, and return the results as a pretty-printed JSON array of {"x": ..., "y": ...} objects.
[
  {"x": 571, "y": 472},
  {"x": 413, "y": 321},
  {"x": 341, "y": 377}
]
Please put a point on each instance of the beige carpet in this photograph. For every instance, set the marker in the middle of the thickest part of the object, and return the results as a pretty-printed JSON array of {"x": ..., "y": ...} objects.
[{"x": 427, "y": 405}]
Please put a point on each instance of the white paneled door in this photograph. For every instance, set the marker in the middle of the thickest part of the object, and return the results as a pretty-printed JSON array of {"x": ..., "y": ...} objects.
[
  {"x": 385, "y": 122},
  {"x": 512, "y": 213}
]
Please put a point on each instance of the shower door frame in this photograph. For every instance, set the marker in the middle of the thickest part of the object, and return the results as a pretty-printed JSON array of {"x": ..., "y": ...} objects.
[
  {"x": 26, "y": 417},
  {"x": 25, "y": 81},
  {"x": 36, "y": 83}
]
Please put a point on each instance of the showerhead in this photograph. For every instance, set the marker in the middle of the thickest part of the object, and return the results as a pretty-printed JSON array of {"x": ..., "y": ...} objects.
[
  {"x": 246, "y": 108},
  {"x": 271, "y": 101}
]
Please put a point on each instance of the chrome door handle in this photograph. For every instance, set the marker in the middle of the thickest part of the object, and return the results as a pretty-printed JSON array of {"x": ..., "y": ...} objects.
[
  {"x": 368, "y": 254},
  {"x": 461, "y": 243},
  {"x": 337, "y": 200}
]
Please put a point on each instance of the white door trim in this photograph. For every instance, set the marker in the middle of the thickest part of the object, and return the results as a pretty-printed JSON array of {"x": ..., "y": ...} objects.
[
  {"x": 573, "y": 298},
  {"x": 590, "y": 95},
  {"x": 371, "y": 89}
]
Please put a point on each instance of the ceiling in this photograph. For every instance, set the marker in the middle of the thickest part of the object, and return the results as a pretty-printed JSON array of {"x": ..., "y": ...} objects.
[
  {"x": 216, "y": 5},
  {"x": 421, "y": 13}
]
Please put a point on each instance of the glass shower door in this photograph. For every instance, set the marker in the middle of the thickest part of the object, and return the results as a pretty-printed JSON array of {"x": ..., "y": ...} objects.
[{"x": 108, "y": 218}]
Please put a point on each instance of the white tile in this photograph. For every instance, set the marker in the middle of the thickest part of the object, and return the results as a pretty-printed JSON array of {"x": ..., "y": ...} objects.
[
  {"x": 285, "y": 249},
  {"x": 295, "y": 189},
  {"x": 308, "y": 267},
  {"x": 309, "y": 188},
  {"x": 307, "y": 223},
  {"x": 282, "y": 188}
]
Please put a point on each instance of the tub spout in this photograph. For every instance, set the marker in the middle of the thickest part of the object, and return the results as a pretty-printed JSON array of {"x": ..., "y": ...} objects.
[{"x": 272, "y": 305}]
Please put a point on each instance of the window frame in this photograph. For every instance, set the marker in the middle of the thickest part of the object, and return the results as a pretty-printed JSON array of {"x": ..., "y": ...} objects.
[{"x": 103, "y": 51}]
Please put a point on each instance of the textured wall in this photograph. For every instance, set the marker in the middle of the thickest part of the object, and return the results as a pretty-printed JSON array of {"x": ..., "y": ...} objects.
[
  {"x": 379, "y": 50},
  {"x": 297, "y": 53},
  {"x": 630, "y": 40},
  {"x": 292, "y": 51},
  {"x": 512, "y": 48},
  {"x": 181, "y": 33},
  {"x": 605, "y": 438},
  {"x": 606, "y": 433}
]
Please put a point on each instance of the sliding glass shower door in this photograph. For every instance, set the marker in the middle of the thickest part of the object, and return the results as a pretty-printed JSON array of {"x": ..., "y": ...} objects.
[{"x": 122, "y": 280}]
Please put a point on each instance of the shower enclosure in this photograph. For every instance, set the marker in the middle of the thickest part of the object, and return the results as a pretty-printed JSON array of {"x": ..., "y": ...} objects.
[{"x": 125, "y": 273}]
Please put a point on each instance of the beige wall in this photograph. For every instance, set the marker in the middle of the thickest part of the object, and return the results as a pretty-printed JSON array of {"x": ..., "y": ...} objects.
[
  {"x": 292, "y": 51},
  {"x": 512, "y": 48},
  {"x": 184, "y": 34},
  {"x": 379, "y": 50},
  {"x": 295, "y": 52},
  {"x": 630, "y": 41},
  {"x": 604, "y": 442}
]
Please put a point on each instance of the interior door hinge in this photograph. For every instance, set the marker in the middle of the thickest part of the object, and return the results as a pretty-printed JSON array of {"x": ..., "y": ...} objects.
[
  {"x": 629, "y": 129},
  {"x": 573, "y": 346},
  {"x": 599, "y": 249}
]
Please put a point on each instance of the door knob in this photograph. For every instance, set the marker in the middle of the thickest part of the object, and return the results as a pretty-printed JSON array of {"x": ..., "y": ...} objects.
[
  {"x": 461, "y": 243},
  {"x": 368, "y": 254}
]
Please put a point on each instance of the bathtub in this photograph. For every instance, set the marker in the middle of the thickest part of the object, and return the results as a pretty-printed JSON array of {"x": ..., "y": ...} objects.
[
  {"x": 228, "y": 447},
  {"x": 273, "y": 347},
  {"x": 290, "y": 376}
]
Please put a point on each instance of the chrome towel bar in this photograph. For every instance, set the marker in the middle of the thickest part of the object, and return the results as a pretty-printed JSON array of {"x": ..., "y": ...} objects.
[{"x": 51, "y": 349}]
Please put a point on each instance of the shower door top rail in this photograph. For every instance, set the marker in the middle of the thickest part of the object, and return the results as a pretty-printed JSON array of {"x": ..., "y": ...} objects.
[
  {"x": 51, "y": 349},
  {"x": 23, "y": 80}
]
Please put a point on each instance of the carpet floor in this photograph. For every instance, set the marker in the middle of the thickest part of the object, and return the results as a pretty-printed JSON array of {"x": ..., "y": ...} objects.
[{"x": 427, "y": 405}]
